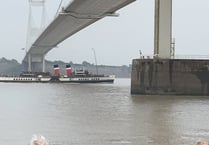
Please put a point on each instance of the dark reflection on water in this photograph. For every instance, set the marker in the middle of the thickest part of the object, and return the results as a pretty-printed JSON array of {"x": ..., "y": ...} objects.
[{"x": 104, "y": 114}]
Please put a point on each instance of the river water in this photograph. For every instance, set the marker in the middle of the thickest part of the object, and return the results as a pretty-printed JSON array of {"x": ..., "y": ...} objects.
[{"x": 99, "y": 114}]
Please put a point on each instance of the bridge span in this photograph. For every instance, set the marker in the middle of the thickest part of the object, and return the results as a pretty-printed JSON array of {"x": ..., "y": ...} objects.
[{"x": 76, "y": 16}]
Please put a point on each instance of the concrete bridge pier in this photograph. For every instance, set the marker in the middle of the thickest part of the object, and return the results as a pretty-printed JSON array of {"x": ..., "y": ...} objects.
[
  {"x": 163, "y": 75},
  {"x": 170, "y": 77},
  {"x": 35, "y": 63}
]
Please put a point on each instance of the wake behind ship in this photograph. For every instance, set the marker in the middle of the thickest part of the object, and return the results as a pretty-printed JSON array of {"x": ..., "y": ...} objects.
[{"x": 71, "y": 76}]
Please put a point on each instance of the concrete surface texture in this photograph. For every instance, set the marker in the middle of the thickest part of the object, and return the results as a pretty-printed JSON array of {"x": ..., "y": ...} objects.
[{"x": 170, "y": 76}]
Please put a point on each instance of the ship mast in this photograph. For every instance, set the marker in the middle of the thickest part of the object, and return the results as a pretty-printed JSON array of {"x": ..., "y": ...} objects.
[{"x": 95, "y": 60}]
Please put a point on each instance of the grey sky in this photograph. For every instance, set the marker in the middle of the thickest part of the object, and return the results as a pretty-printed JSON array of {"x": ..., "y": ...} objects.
[{"x": 116, "y": 40}]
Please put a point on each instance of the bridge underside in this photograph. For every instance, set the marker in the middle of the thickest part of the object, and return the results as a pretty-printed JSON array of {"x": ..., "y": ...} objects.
[{"x": 76, "y": 16}]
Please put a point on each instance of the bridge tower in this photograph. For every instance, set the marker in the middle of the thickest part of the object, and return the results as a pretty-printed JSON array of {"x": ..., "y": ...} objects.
[
  {"x": 163, "y": 29},
  {"x": 36, "y": 24}
]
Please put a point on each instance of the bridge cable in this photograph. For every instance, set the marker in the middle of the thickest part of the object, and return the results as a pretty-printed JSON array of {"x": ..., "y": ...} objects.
[{"x": 58, "y": 8}]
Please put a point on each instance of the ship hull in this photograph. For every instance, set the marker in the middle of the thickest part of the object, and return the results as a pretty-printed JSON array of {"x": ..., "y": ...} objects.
[
  {"x": 107, "y": 79},
  {"x": 24, "y": 79}
]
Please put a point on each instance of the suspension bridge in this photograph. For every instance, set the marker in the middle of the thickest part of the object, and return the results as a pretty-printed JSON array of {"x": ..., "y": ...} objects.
[{"x": 77, "y": 15}]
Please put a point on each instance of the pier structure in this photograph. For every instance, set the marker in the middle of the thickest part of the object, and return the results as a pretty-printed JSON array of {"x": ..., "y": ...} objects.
[
  {"x": 170, "y": 77},
  {"x": 164, "y": 75},
  {"x": 36, "y": 24}
]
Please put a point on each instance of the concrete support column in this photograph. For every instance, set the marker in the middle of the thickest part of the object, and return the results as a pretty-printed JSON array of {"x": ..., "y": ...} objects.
[
  {"x": 29, "y": 63},
  {"x": 43, "y": 64},
  {"x": 163, "y": 29}
]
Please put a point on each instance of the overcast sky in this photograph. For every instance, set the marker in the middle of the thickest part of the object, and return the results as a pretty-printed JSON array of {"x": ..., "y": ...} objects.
[{"x": 116, "y": 40}]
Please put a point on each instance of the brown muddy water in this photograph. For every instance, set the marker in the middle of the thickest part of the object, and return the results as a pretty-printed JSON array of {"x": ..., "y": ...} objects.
[{"x": 99, "y": 114}]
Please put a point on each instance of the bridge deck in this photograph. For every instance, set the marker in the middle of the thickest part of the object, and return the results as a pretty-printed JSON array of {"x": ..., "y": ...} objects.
[{"x": 76, "y": 16}]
